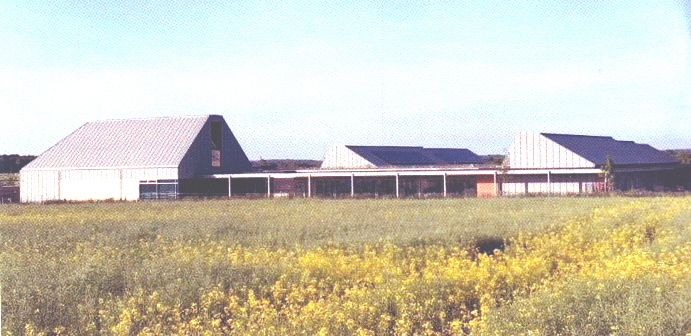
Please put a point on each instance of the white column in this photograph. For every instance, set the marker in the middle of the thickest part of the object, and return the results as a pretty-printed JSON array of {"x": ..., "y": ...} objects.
[
  {"x": 549, "y": 182},
  {"x": 122, "y": 197},
  {"x": 230, "y": 186},
  {"x": 268, "y": 186},
  {"x": 398, "y": 194},
  {"x": 59, "y": 185},
  {"x": 496, "y": 186},
  {"x": 309, "y": 185},
  {"x": 445, "y": 185},
  {"x": 352, "y": 185},
  {"x": 418, "y": 186}
]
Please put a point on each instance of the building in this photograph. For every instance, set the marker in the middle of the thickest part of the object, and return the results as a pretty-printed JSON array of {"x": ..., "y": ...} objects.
[
  {"x": 537, "y": 163},
  {"x": 135, "y": 159},
  {"x": 565, "y": 163},
  {"x": 370, "y": 157},
  {"x": 162, "y": 158},
  {"x": 373, "y": 171}
]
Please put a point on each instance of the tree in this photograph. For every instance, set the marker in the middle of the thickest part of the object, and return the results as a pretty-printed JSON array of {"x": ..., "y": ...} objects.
[
  {"x": 683, "y": 157},
  {"x": 608, "y": 173}
]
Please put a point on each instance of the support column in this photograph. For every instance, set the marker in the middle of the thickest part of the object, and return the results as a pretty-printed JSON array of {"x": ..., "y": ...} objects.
[
  {"x": 352, "y": 185},
  {"x": 398, "y": 193},
  {"x": 59, "y": 185},
  {"x": 268, "y": 186},
  {"x": 309, "y": 185},
  {"x": 230, "y": 186},
  {"x": 444, "y": 185},
  {"x": 122, "y": 197},
  {"x": 549, "y": 182},
  {"x": 496, "y": 186}
]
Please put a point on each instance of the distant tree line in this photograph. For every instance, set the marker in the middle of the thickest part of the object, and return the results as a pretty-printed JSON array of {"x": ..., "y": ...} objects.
[
  {"x": 292, "y": 164},
  {"x": 493, "y": 159},
  {"x": 683, "y": 155},
  {"x": 285, "y": 164},
  {"x": 12, "y": 163}
]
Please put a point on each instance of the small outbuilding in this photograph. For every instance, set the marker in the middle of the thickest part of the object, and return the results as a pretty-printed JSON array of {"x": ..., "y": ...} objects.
[{"x": 134, "y": 159}]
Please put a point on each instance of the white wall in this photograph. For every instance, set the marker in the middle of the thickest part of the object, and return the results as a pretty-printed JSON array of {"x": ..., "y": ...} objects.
[
  {"x": 533, "y": 150},
  {"x": 340, "y": 157},
  {"x": 88, "y": 184},
  {"x": 524, "y": 188},
  {"x": 39, "y": 186}
]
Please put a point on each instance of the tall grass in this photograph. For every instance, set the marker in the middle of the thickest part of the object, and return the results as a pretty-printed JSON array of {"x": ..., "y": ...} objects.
[
  {"x": 283, "y": 222},
  {"x": 308, "y": 266}
]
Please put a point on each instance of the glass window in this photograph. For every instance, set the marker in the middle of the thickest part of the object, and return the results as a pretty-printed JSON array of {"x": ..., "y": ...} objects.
[
  {"x": 161, "y": 189},
  {"x": 167, "y": 191},
  {"x": 147, "y": 191}
]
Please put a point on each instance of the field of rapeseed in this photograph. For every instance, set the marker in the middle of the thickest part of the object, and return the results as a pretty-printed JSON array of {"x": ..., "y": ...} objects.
[{"x": 564, "y": 266}]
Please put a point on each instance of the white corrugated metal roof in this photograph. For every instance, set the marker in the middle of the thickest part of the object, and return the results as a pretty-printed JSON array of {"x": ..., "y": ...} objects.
[{"x": 152, "y": 142}]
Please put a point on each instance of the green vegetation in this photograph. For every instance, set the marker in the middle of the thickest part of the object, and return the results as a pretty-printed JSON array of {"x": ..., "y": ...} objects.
[
  {"x": 572, "y": 266},
  {"x": 11, "y": 180},
  {"x": 287, "y": 222},
  {"x": 683, "y": 155}
]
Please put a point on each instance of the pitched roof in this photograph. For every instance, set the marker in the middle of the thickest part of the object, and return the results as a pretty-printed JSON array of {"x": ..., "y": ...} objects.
[
  {"x": 383, "y": 156},
  {"x": 596, "y": 149},
  {"x": 124, "y": 143}
]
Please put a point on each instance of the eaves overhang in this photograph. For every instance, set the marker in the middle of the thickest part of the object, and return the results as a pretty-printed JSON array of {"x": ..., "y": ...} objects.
[{"x": 98, "y": 168}]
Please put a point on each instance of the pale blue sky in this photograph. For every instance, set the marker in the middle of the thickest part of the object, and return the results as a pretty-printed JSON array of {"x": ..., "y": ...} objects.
[{"x": 293, "y": 77}]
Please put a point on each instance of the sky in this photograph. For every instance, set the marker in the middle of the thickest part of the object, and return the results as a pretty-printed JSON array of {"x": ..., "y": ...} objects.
[{"x": 292, "y": 78}]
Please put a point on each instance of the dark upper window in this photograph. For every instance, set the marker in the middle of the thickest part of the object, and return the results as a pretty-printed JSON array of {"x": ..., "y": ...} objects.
[
  {"x": 216, "y": 143},
  {"x": 216, "y": 136}
]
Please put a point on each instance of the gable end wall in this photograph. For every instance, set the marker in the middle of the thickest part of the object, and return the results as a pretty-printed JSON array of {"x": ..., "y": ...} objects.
[
  {"x": 533, "y": 150},
  {"x": 197, "y": 160},
  {"x": 341, "y": 157}
]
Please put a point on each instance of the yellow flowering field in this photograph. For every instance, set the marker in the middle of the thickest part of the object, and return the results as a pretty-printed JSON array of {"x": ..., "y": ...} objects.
[{"x": 554, "y": 266}]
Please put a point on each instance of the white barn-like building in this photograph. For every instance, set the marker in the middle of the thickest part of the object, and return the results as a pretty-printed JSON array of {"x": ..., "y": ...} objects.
[
  {"x": 567, "y": 163},
  {"x": 160, "y": 158},
  {"x": 133, "y": 159},
  {"x": 549, "y": 150}
]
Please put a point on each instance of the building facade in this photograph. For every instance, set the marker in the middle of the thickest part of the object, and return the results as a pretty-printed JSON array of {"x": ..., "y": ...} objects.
[
  {"x": 570, "y": 164},
  {"x": 133, "y": 159},
  {"x": 161, "y": 158}
]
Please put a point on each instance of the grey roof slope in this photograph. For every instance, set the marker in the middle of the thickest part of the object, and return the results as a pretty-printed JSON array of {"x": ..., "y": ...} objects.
[
  {"x": 152, "y": 142},
  {"x": 384, "y": 156},
  {"x": 596, "y": 149}
]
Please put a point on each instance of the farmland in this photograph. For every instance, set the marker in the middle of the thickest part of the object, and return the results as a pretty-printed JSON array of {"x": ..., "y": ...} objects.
[{"x": 569, "y": 266}]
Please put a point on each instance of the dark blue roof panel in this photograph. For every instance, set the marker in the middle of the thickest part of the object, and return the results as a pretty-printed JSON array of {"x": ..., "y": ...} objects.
[
  {"x": 455, "y": 155},
  {"x": 404, "y": 158},
  {"x": 382, "y": 156},
  {"x": 596, "y": 149}
]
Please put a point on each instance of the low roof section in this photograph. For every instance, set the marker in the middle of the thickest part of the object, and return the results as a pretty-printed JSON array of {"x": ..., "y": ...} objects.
[
  {"x": 145, "y": 142},
  {"x": 356, "y": 157}
]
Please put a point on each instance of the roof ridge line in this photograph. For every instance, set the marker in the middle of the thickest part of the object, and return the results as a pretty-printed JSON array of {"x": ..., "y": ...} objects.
[
  {"x": 581, "y": 135},
  {"x": 154, "y": 118}
]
